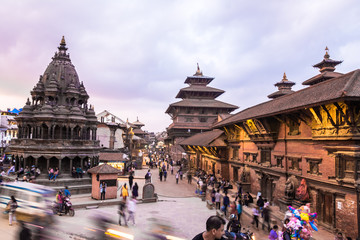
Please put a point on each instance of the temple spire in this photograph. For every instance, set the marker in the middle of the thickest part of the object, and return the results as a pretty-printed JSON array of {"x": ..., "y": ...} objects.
[
  {"x": 284, "y": 88},
  {"x": 198, "y": 72},
  {"x": 62, "y": 48},
  {"x": 326, "y": 56},
  {"x": 284, "y": 77},
  {"x": 326, "y": 68},
  {"x": 63, "y": 43}
]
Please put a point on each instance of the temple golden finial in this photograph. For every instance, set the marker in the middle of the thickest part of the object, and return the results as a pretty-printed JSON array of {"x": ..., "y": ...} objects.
[
  {"x": 198, "y": 72},
  {"x": 284, "y": 77},
  {"x": 63, "y": 41},
  {"x": 327, "y": 56}
]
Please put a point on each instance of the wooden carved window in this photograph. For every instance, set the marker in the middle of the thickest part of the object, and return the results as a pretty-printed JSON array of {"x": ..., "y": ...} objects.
[
  {"x": 235, "y": 153},
  {"x": 188, "y": 120},
  {"x": 254, "y": 157},
  {"x": 314, "y": 164},
  {"x": 294, "y": 128},
  {"x": 235, "y": 174},
  {"x": 247, "y": 157},
  {"x": 265, "y": 155},
  {"x": 295, "y": 163},
  {"x": 279, "y": 161},
  {"x": 345, "y": 167},
  {"x": 202, "y": 119}
]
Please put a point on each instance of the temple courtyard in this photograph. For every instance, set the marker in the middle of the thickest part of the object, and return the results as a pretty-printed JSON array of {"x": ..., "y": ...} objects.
[{"x": 179, "y": 212}]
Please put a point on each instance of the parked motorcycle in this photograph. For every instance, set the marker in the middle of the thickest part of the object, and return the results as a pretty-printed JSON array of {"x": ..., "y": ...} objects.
[{"x": 66, "y": 209}]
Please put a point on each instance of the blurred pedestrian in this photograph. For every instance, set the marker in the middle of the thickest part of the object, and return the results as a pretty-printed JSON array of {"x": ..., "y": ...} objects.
[
  {"x": 239, "y": 210},
  {"x": 124, "y": 191},
  {"x": 266, "y": 215},
  {"x": 135, "y": 191},
  {"x": 217, "y": 199},
  {"x": 226, "y": 202},
  {"x": 177, "y": 177},
  {"x": 165, "y": 175},
  {"x": 256, "y": 213},
  {"x": 24, "y": 233},
  {"x": 131, "y": 179},
  {"x": 12, "y": 205},
  {"x": 189, "y": 177},
  {"x": 131, "y": 210},
  {"x": 122, "y": 214}
]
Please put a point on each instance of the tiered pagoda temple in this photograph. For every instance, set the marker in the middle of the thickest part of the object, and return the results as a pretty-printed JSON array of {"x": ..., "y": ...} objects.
[
  {"x": 196, "y": 112},
  {"x": 57, "y": 128}
]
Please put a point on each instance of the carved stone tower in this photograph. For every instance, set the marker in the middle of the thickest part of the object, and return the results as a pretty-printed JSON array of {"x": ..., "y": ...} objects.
[{"x": 57, "y": 128}]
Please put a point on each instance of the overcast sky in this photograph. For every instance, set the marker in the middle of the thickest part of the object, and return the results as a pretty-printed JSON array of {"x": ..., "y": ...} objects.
[{"x": 133, "y": 56}]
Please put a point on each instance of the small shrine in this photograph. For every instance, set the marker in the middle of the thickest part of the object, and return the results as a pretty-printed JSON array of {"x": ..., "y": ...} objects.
[{"x": 104, "y": 174}]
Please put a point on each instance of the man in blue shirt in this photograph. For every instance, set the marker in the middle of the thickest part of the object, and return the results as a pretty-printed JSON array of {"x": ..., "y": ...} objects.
[{"x": 67, "y": 192}]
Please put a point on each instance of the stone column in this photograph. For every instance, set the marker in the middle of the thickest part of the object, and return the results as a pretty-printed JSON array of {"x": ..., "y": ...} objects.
[
  {"x": 53, "y": 133},
  {"x": 47, "y": 164},
  {"x": 24, "y": 163},
  {"x": 71, "y": 164},
  {"x": 71, "y": 133},
  {"x": 16, "y": 163},
  {"x": 60, "y": 165},
  {"x": 49, "y": 133},
  {"x": 36, "y": 162},
  {"x": 82, "y": 163},
  {"x": 41, "y": 132}
]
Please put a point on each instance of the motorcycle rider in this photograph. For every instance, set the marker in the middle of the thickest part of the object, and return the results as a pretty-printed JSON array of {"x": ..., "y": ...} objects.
[
  {"x": 60, "y": 202},
  {"x": 233, "y": 226}
]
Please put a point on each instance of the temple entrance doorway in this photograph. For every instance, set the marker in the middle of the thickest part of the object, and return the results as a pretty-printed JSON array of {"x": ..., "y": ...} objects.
[
  {"x": 266, "y": 188},
  {"x": 30, "y": 161},
  {"x": 42, "y": 165},
  {"x": 65, "y": 165},
  {"x": 325, "y": 210},
  {"x": 54, "y": 163},
  {"x": 86, "y": 163},
  {"x": 77, "y": 162}
]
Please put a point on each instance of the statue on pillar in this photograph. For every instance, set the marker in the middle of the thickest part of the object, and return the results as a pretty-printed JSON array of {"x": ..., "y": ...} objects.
[{"x": 302, "y": 191}]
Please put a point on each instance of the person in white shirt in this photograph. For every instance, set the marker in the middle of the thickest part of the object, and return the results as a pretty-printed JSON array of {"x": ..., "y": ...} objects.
[
  {"x": 217, "y": 199},
  {"x": 131, "y": 210}
]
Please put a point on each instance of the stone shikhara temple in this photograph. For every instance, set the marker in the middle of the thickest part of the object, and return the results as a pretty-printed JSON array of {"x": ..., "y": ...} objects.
[
  {"x": 57, "y": 128},
  {"x": 310, "y": 135}
]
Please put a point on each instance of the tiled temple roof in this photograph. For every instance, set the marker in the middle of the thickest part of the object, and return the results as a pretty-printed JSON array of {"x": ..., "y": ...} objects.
[
  {"x": 205, "y": 139},
  {"x": 345, "y": 87}
]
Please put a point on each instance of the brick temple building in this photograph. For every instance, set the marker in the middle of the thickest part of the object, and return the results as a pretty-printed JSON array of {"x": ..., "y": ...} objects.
[
  {"x": 57, "y": 128},
  {"x": 196, "y": 112},
  {"x": 310, "y": 134}
]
